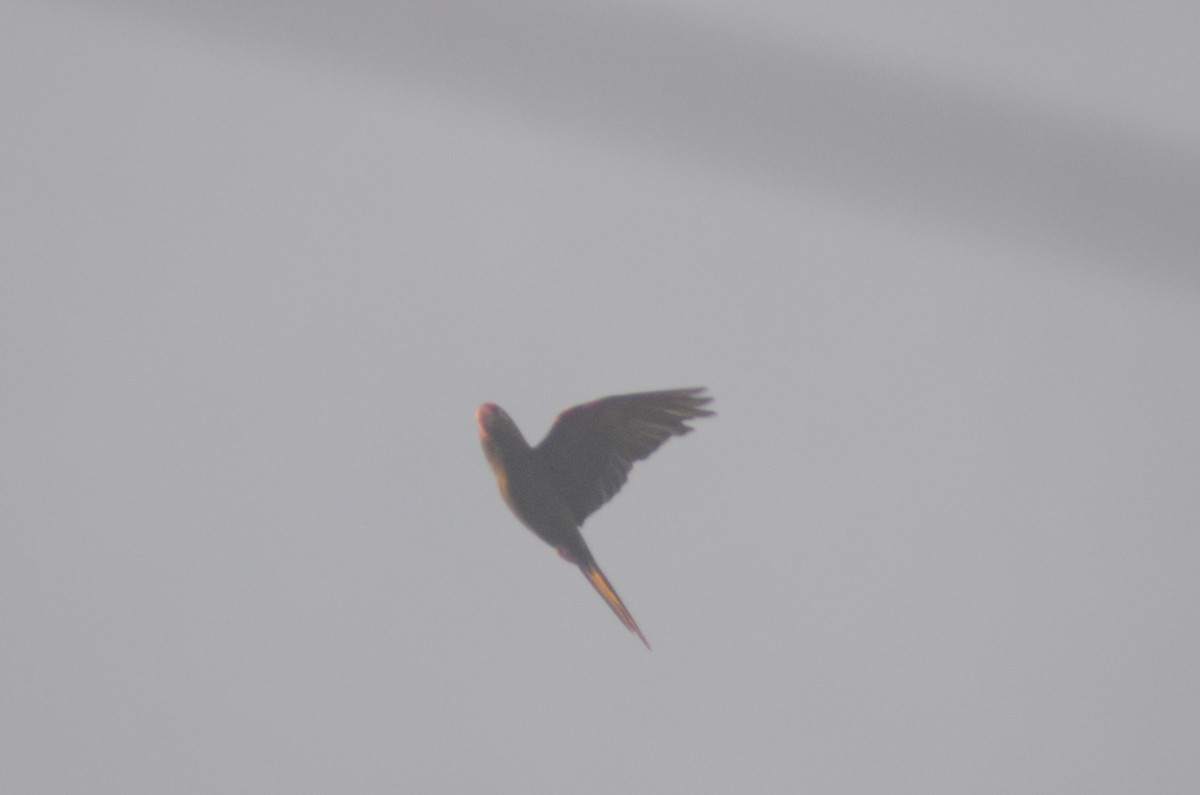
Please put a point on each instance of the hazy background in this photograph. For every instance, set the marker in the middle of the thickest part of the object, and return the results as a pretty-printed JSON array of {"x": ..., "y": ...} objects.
[{"x": 937, "y": 262}]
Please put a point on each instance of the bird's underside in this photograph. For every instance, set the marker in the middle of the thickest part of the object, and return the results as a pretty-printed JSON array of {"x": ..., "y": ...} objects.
[{"x": 583, "y": 461}]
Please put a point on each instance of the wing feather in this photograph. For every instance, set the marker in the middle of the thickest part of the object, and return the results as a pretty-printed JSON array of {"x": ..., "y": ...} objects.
[{"x": 591, "y": 447}]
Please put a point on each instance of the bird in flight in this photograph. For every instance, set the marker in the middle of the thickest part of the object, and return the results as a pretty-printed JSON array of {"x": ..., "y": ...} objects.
[{"x": 583, "y": 461}]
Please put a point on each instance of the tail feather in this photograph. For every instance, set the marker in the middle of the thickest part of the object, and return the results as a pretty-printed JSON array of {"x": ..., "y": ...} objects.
[{"x": 605, "y": 589}]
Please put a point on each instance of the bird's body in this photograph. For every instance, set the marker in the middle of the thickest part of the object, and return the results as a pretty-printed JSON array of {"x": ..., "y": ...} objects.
[{"x": 580, "y": 465}]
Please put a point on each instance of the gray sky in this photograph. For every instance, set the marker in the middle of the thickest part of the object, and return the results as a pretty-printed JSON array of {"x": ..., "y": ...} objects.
[{"x": 938, "y": 266}]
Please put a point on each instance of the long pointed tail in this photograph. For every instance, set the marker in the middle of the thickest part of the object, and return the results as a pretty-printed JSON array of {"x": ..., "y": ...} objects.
[{"x": 605, "y": 589}]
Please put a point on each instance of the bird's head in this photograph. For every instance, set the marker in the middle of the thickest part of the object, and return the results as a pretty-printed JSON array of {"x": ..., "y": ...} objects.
[
  {"x": 502, "y": 443},
  {"x": 488, "y": 417},
  {"x": 497, "y": 431}
]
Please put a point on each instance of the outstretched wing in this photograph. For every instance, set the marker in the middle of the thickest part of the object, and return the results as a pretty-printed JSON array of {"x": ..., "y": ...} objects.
[{"x": 591, "y": 447}]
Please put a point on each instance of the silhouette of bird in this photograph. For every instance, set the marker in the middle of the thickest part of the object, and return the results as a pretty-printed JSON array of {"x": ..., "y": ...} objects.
[{"x": 583, "y": 461}]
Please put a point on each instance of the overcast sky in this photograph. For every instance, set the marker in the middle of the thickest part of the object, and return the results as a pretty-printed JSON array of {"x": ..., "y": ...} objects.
[{"x": 938, "y": 264}]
